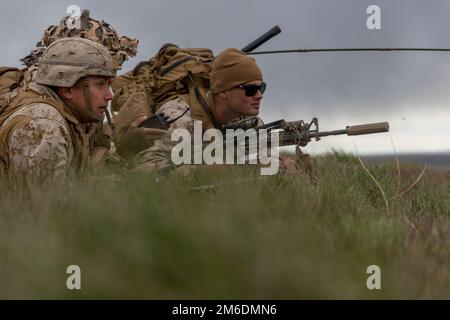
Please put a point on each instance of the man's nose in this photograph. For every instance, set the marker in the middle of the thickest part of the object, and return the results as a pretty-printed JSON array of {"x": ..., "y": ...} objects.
[
  {"x": 258, "y": 95},
  {"x": 108, "y": 94}
]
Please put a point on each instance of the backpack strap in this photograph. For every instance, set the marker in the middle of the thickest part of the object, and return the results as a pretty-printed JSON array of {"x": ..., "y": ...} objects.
[{"x": 203, "y": 102}]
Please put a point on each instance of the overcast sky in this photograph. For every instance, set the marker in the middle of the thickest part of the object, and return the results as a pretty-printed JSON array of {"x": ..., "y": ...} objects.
[{"x": 411, "y": 90}]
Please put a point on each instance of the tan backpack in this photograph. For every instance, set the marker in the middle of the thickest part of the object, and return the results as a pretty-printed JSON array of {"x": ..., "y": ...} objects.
[
  {"x": 10, "y": 79},
  {"x": 173, "y": 72}
]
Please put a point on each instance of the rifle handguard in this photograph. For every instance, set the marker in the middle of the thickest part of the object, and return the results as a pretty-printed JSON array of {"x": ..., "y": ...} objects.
[{"x": 368, "y": 128}]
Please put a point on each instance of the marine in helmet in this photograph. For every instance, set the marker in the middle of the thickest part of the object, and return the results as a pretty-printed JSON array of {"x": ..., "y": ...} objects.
[
  {"x": 50, "y": 125},
  {"x": 120, "y": 47}
]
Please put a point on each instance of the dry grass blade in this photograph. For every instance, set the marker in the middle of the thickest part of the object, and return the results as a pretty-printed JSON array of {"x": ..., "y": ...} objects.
[
  {"x": 386, "y": 201},
  {"x": 397, "y": 162},
  {"x": 410, "y": 223},
  {"x": 411, "y": 186}
]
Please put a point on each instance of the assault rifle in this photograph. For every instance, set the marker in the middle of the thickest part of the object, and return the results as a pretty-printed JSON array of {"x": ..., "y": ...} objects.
[{"x": 301, "y": 133}]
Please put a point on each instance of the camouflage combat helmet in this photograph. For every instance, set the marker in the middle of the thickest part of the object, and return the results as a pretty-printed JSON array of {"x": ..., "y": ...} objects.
[
  {"x": 120, "y": 48},
  {"x": 69, "y": 59}
]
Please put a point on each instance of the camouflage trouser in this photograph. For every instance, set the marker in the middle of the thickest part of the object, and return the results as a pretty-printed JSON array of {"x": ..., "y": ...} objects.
[{"x": 155, "y": 158}]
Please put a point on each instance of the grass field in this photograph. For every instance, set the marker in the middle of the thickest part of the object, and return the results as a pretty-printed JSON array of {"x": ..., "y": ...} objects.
[{"x": 229, "y": 235}]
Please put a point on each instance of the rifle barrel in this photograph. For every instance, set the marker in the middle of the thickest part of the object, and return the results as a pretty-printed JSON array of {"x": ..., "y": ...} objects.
[
  {"x": 292, "y": 137},
  {"x": 368, "y": 128},
  {"x": 331, "y": 133}
]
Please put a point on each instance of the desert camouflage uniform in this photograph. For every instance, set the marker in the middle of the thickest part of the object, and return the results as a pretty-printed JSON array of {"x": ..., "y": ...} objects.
[
  {"x": 120, "y": 48},
  {"x": 39, "y": 138},
  {"x": 42, "y": 128},
  {"x": 39, "y": 132}
]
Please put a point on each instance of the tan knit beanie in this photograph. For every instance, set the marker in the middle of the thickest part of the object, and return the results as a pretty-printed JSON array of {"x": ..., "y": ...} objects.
[{"x": 231, "y": 68}]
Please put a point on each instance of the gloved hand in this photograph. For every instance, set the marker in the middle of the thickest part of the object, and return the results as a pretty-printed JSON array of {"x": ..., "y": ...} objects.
[
  {"x": 301, "y": 164},
  {"x": 136, "y": 139}
]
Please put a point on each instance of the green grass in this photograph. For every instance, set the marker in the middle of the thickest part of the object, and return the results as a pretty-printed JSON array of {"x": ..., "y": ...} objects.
[{"x": 241, "y": 237}]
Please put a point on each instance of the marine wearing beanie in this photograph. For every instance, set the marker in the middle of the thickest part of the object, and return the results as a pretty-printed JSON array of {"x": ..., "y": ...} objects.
[{"x": 232, "y": 67}]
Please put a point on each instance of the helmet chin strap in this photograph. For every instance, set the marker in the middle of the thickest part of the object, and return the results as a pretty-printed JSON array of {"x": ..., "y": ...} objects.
[
  {"x": 84, "y": 115},
  {"x": 87, "y": 94}
]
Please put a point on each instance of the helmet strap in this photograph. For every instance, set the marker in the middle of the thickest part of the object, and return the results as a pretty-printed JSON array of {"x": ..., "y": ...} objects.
[
  {"x": 84, "y": 115},
  {"x": 87, "y": 94},
  {"x": 87, "y": 97}
]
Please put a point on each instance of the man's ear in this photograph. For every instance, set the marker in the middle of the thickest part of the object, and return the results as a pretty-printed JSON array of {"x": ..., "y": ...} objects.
[{"x": 65, "y": 93}]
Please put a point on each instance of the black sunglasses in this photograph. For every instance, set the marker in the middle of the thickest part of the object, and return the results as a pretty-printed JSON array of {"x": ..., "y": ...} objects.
[{"x": 252, "y": 89}]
